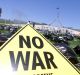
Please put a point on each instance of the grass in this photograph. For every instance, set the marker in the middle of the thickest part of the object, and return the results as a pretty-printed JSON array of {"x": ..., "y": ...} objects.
[
  {"x": 74, "y": 43},
  {"x": 4, "y": 31}
]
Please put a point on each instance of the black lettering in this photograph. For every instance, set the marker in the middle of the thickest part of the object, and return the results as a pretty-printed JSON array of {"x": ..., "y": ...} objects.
[
  {"x": 35, "y": 44},
  {"x": 44, "y": 74},
  {"x": 27, "y": 41},
  {"x": 49, "y": 60},
  {"x": 35, "y": 57},
  {"x": 15, "y": 63}
]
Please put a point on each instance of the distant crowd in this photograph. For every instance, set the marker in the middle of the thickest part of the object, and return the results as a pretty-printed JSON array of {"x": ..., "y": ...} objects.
[{"x": 6, "y": 31}]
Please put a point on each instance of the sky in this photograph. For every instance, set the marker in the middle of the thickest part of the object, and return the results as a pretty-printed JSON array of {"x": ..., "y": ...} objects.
[{"x": 43, "y": 11}]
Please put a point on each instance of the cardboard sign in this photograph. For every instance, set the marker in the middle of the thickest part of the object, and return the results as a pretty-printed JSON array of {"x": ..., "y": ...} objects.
[{"x": 29, "y": 53}]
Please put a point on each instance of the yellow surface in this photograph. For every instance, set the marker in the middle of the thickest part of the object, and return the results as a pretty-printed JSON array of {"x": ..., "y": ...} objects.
[{"x": 64, "y": 67}]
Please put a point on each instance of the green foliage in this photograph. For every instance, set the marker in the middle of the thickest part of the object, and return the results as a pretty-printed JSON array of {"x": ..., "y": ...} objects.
[
  {"x": 3, "y": 21},
  {"x": 4, "y": 31},
  {"x": 74, "y": 43}
]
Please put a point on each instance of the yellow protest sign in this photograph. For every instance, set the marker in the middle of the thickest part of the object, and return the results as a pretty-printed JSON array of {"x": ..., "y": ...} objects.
[{"x": 29, "y": 53}]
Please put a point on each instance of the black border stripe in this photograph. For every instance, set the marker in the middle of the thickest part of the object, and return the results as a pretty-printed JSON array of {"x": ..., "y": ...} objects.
[{"x": 46, "y": 40}]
